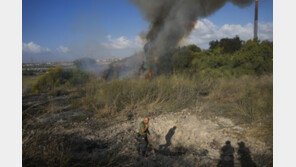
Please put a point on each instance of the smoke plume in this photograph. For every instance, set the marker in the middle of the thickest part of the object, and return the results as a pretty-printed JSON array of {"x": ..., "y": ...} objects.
[{"x": 172, "y": 20}]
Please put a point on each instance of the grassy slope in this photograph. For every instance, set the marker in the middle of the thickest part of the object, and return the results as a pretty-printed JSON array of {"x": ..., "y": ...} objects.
[
  {"x": 247, "y": 100},
  {"x": 239, "y": 89}
]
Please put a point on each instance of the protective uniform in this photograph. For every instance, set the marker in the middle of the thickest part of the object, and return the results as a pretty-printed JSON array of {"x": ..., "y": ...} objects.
[{"x": 143, "y": 140}]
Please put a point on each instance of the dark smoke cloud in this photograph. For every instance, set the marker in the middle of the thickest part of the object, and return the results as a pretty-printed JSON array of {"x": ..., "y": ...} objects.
[{"x": 172, "y": 20}]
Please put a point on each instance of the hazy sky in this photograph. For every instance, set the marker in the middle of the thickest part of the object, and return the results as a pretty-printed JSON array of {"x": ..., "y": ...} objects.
[{"x": 56, "y": 30}]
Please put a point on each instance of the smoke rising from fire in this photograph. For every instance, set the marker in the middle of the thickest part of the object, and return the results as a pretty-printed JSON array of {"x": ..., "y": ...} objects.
[{"x": 172, "y": 20}]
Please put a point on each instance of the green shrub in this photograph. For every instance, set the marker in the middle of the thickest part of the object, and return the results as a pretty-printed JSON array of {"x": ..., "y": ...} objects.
[
  {"x": 177, "y": 60},
  {"x": 228, "y": 45},
  {"x": 253, "y": 58},
  {"x": 57, "y": 77}
]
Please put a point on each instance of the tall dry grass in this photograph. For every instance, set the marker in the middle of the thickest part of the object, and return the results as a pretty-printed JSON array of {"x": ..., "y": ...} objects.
[
  {"x": 247, "y": 99},
  {"x": 247, "y": 96},
  {"x": 135, "y": 96}
]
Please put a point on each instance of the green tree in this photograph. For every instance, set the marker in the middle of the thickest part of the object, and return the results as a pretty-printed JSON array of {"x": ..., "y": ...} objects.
[{"x": 228, "y": 45}]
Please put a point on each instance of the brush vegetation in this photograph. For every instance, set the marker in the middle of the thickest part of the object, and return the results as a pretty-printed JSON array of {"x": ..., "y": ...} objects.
[
  {"x": 234, "y": 77},
  {"x": 225, "y": 58},
  {"x": 58, "y": 78},
  {"x": 136, "y": 96},
  {"x": 225, "y": 81},
  {"x": 247, "y": 98}
]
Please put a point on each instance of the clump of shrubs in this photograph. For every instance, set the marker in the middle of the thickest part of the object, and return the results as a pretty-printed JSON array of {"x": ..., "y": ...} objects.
[
  {"x": 58, "y": 77},
  {"x": 225, "y": 58},
  {"x": 228, "y": 45}
]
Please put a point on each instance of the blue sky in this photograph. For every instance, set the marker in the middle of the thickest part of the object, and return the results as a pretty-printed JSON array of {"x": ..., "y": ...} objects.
[{"x": 68, "y": 29}]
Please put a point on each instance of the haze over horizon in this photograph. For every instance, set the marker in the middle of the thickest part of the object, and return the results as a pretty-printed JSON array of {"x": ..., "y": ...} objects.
[{"x": 64, "y": 31}]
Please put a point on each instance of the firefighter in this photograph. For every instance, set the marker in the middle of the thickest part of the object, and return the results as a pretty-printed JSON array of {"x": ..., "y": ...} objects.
[{"x": 143, "y": 140}]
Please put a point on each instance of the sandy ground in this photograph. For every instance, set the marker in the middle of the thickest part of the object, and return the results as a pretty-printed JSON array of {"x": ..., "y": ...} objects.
[{"x": 183, "y": 139}]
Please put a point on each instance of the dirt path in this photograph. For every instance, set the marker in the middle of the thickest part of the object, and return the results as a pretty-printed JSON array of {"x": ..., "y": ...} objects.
[{"x": 183, "y": 139}]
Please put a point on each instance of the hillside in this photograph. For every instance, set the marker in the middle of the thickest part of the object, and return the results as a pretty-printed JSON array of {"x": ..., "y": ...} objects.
[{"x": 198, "y": 102}]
